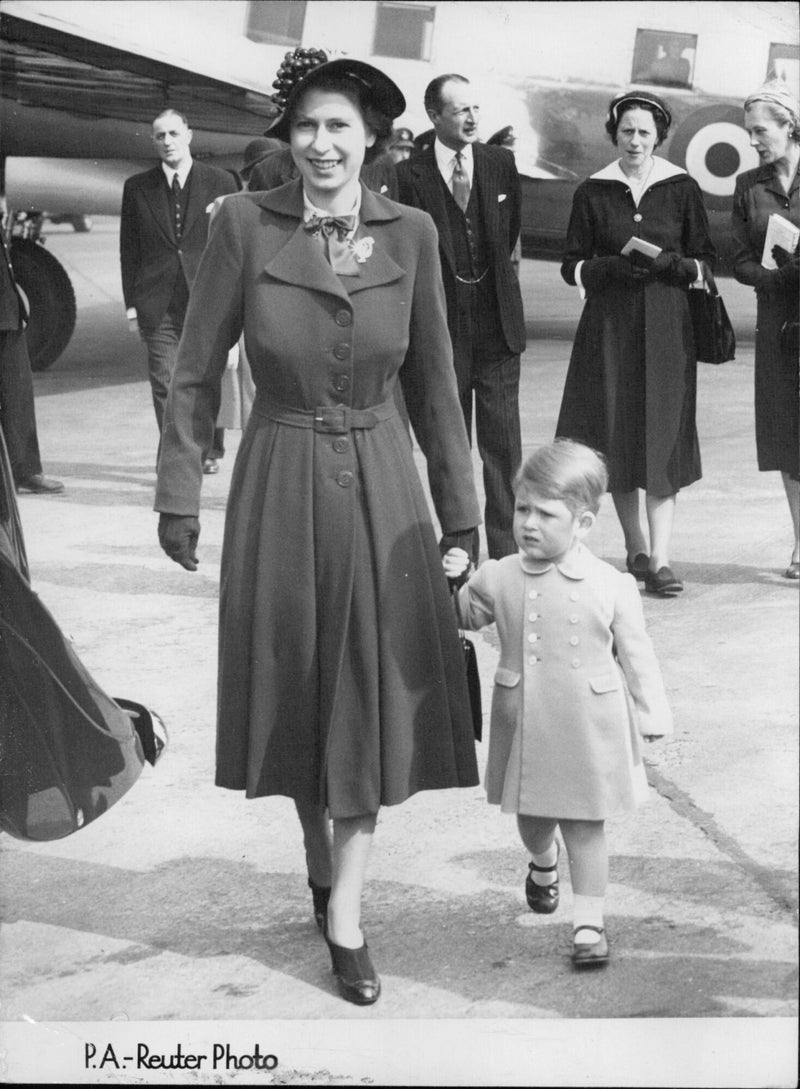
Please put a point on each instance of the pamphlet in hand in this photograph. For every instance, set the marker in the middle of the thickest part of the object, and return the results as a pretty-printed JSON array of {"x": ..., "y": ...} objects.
[
  {"x": 780, "y": 232},
  {"x": 639, "y": 244}
]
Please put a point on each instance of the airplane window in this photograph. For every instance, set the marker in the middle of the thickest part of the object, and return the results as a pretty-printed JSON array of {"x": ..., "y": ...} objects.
[
  {"x": 404, "y": 30},
  {"x": 784, "y": 63},
  {"x": 664, "y": 57},
  {"x": 279, "y": 22}
]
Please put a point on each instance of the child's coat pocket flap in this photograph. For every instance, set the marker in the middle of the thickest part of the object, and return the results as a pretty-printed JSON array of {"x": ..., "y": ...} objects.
[
  {"x": 608, "y": 683},
  {"x": 506, "y": 677}
]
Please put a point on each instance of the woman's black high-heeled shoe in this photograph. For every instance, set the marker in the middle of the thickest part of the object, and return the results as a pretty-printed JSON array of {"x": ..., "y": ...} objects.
[
  {"x": 320, "y": 894},
  {"x": 358, "y": 981}
]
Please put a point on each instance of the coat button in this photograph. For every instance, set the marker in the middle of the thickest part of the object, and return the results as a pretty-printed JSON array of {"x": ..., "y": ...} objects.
[
  {"x": 342, "y": 351},
  {"x": 341, "y": 445},
  {"x": 343, "y": 317},
  {"x": 574, "y": 618},
  {"x": 576, "y": 663},
  {"x": 532, "y": 637},
  {"x": 533, "y": 660},
  {"x": 533, "y": 616},
  {"x": 574, "y": 641},
  {"x": 637, "y": 218},
  {"x": 344, "y": 479},
  {"x": 533, "y": 594},
  {"x": 342, "y": 382},
  {"x": 574, "y": 596}
]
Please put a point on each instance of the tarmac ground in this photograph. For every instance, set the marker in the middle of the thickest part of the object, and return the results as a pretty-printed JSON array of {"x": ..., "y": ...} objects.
[{"x": 182, "y": 919}]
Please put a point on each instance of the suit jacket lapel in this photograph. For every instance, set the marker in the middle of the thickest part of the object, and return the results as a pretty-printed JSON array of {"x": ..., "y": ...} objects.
[
  {"x": 488, "y": 192},
  {"x": 430, "y": 182},
  {"x": 155, "y": 193}
]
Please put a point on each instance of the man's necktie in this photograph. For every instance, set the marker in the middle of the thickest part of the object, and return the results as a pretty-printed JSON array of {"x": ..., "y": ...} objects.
[
  {"x": 176, "y": 192},
  {"x": 460, "y": 184}
]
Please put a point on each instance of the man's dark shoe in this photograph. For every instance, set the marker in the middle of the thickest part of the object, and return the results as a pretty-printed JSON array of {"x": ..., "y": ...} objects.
[{"x": 40, "y": 484}]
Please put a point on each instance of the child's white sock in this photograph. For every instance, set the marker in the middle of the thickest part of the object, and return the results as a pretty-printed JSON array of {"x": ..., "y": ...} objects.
[
  {"x": 588, "y": 911},
  {"x": 547, "y": 860}
]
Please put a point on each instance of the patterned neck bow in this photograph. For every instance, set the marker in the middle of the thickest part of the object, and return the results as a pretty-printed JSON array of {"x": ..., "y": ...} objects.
[{"x": 343, "y": 225}]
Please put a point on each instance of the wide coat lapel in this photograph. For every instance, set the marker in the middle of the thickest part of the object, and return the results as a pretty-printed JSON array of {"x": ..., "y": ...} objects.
[
  {"x": 429, "y": 182},
  {"x": 154, "y": 190},
  {"x": 485, "y": 175},
  {"x": 301, "y": 262}
]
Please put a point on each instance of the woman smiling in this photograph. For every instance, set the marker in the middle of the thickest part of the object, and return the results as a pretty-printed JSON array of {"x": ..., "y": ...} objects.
[{"x": 341, "y": 680}]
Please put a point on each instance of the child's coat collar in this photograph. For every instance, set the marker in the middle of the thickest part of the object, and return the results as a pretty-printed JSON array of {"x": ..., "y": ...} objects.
[{"x": 574, "y": 565}]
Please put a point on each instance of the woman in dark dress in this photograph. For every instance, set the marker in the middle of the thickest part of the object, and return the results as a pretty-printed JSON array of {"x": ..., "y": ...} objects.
[
  {"x": 630, "y": 390},
  {"x": 772, "y": 117},
  {"x": 341, "y": 678}
]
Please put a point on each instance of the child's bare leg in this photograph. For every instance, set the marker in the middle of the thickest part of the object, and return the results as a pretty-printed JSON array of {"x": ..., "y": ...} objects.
[{"x": 587, "y": 851}]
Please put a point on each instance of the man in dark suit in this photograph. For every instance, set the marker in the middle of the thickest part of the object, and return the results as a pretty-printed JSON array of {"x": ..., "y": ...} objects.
[
  {"x": 163, "y": 231},
  {"x": 17, "y": 415},
  {"x": 473, "y": 194}
]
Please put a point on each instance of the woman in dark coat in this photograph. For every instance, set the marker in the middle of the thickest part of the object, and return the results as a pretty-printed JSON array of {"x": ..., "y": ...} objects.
[
  {"x": 772, "y": 117},
  {"x": 341, "y": 679},
  {"x": 630, "y": 389}
]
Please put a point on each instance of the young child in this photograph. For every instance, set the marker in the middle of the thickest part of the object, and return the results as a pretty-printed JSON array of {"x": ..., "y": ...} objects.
[{"x": 564, "y": 749}]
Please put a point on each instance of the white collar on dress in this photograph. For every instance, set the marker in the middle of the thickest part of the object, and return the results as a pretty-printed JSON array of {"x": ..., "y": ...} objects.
[
  {"x": 574, "y": 565},
  {"x": 662, "y": 169}
]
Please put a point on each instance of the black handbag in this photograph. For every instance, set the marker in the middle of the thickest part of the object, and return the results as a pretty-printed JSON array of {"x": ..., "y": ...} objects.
[
  {"x": 714, "y": 338},
  {"x": 473, "y": 685}
]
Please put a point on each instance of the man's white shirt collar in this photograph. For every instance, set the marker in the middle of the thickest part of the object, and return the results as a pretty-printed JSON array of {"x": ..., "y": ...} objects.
[
  {"x": 182, "y": 173},
  {"x": 446, "y": 160}
]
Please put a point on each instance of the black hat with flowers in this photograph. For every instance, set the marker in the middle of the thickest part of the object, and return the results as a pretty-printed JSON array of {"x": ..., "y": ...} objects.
[{"x": 304, "y": 67}]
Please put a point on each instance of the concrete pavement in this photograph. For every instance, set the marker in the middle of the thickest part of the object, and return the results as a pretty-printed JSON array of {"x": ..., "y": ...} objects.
[{"x": 184, "y": 912}]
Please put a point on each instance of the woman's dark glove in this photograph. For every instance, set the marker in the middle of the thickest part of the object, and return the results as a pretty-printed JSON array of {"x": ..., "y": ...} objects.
[
  {"x": 782, "y": 257},
  {"x": 178, "y": 535},
  {"x": 599, "y": 273},
  {"x": 671, "y": 268}
]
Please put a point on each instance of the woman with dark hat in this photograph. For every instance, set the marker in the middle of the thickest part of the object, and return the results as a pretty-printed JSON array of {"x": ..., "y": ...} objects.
[
  {"x": 772, "y": 118},
  {"x": 341, "y": 680},
  {"x": 630, "y": 390}
]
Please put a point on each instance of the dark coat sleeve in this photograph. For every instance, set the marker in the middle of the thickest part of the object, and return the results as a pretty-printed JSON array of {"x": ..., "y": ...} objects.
[
  {"x": 746, "y": 261},
  {"x": 213, "y": 325},
  {"x": 129, "y": 242},
  {"x": 580, "y": 244},
  {"x": 431, "y": 395}
]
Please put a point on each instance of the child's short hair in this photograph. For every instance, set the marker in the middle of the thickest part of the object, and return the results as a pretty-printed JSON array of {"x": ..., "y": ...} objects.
[{"x": 568, "y": 471}]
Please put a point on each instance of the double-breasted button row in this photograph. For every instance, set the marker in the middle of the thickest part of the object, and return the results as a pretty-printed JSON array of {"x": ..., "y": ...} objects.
[
  {"x": 343, "y": 318},
  {"x": 342, "y": 351},
  {"x": 341, "y": 445},
  {"x": 344, "y": 479}
]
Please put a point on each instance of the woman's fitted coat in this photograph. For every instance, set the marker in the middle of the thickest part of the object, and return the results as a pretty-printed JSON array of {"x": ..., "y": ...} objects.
[
  {"x": 630, "y": 390},
  {"x": 340, "y": 671},
  {"x": 758, "y": 194},
  {"x": 565, "y": 729}
]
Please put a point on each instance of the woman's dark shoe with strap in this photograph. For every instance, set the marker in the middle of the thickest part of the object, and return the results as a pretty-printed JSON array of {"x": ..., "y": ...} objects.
[
  {"x": 590, "y": 954},
  {"x": 638, "y": 566},
  {"x": 663, "y": 582},
  {"x": 320, "y": 894},
  {"x": 543, "y": 899},
  {"x": 358, "y": 981}
]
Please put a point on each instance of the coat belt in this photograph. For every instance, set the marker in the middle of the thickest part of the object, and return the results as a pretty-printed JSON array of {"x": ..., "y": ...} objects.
[{"x": 330, "y": 419}]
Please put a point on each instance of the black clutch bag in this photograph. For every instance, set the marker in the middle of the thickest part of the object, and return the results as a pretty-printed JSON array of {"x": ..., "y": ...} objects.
[
  {"x": 473, "y": 685},
  {"x": 714, "y": 338}
]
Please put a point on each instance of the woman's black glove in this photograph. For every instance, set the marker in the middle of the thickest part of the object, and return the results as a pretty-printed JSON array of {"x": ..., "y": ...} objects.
[
  {"x": 599, "y": 273},
  {"x": 178, "y": 535},
  {"x": 782, "y": 257},
  {"x": 671, "y": 268}
]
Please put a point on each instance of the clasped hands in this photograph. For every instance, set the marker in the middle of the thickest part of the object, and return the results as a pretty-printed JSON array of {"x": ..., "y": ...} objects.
[{"x": 178, "y": 535}]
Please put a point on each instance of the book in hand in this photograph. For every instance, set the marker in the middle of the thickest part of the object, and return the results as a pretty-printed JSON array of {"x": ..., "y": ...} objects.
[
  {"x": 780, "y": 232},
  {"x": 639, "y": 244}
]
